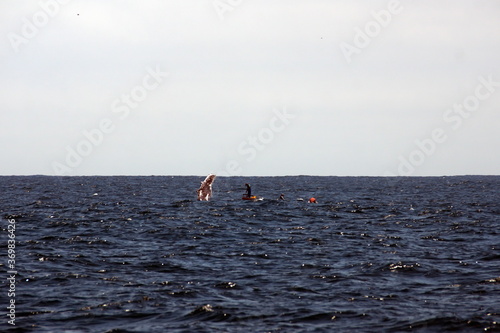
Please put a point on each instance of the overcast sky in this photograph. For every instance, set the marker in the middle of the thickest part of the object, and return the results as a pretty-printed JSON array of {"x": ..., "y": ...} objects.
[{"x": 250, "y": 87}]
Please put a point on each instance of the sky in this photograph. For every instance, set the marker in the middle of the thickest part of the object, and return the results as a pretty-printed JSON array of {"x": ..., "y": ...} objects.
[{"x": 252, "y": 88}]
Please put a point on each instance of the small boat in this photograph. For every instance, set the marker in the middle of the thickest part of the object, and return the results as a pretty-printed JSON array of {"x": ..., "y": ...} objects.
[{"x": 252, "y": 198}]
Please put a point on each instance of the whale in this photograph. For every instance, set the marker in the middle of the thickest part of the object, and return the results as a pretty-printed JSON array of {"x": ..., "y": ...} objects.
[{"x": 205, "y": 190}]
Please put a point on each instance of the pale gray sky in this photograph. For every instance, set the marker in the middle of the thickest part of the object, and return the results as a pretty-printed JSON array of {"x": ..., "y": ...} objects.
[{"x": 282, "y": 87}]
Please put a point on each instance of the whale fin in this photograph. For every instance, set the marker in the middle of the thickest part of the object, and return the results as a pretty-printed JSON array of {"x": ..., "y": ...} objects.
[{"x": 205, "y": 190}]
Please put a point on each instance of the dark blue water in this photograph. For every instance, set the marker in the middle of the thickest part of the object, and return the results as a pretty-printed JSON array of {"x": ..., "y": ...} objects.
[{"x": 140, "y": 254}]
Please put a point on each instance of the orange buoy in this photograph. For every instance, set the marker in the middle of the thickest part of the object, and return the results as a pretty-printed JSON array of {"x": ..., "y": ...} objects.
[{"x": 312, "y": 200}]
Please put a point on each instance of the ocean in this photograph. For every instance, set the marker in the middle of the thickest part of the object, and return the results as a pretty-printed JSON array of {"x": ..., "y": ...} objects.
[{"x": 141, "y": 254}]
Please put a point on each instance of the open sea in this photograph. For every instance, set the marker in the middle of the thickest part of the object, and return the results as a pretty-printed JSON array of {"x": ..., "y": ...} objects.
[{"x": 141, "y": 254}]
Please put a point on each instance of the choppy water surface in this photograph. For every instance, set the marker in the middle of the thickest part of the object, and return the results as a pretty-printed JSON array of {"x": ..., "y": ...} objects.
[{"x": 140, "y": 254}]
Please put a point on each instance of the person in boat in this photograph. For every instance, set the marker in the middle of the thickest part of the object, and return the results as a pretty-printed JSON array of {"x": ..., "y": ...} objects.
[{"x": 248, "y": 192}]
